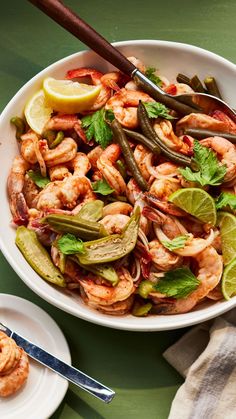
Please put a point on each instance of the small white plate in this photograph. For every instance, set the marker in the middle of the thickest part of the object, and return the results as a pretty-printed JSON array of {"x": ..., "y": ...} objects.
[{"x": 44, "y": 389}]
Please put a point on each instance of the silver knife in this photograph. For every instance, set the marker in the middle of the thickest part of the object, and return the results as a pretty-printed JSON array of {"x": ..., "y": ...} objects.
[{"x": 64, "y": 370}]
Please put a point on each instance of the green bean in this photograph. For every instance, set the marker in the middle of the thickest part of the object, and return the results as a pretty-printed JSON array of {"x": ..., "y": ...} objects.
[
  {"x": 121, "y": 167},
  {"x": 141, "y": 310},
  {"x": 20, "y": 126},
  {"x": 181, "y": 78},
  {"x": 212, "y": 87},
  {"x": 87, "y": 230},
  {"x": 203, "y": 133},
  {"x": 37, "y": 256},
  {"x": 196, "y": 84},
  {"x": 121, "y": 139},
  {"x": 59, "y": 138},
  {"x": 50, "y": 136},
  {"x": 152, "y": 135},
  {"x": 120, "y": 198},
  {"x": 143, "y": 140}
]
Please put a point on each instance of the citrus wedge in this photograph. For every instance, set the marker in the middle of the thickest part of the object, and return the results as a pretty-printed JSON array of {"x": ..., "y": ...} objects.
[
  {"x": 227, "y": 224},
  {"x": 37, "y": 112},
  {"x": 68, "y": 96},
  {"x": 229, "y": 280},
  {"x": 197, "y": 202}
]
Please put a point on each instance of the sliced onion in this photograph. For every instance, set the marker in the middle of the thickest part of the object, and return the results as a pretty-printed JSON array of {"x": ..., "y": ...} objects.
[
  {"x": 143, "y": 238},
  {"x": 138, "y": 270}
]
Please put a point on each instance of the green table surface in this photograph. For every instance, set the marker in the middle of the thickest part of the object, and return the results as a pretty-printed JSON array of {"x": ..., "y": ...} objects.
[{"x": 129, "y": 362}]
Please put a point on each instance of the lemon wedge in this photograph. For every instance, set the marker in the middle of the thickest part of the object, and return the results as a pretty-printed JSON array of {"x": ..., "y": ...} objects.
[
  {"x": 68, "y": 96},
  {"x": 37, "y": 112}
]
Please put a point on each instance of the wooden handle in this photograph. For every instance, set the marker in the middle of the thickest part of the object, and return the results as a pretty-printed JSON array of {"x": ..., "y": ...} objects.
[{"x": 75, "y": 25}]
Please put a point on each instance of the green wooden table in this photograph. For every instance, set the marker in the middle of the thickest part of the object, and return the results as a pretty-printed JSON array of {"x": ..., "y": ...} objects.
[{"x": 130, "y": 363}]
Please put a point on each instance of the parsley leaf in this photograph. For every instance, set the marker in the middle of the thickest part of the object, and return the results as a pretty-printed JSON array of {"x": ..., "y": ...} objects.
[
  {"x": 38, "y": 179},
  {"x": 209, "y": 171},
  {"x": 226, "y": 199},
  {"x": 176, "y": 243},
  {"x": 150, "y": 74},
  {"x": 68, "y": 244},
  {"x": 156, "y": 110},
  {"x": 96, "y": 127},
  {"x": 102, "y": 187},
  {"x": 178, "y": 283}
]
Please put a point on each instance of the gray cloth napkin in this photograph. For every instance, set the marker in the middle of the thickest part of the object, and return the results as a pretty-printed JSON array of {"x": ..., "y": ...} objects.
[{"x": 206, "y": 357}]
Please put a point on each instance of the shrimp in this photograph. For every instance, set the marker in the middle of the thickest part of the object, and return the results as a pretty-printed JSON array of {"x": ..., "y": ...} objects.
[
  {"x": 210, "y": 268},
  {"x": 105, "y": 164},
  {"x": 178, "y": 89},
  {"x": 114, "y": 224},
  {"x": 49, "y": 197},
  {"x": 163, "y": 170},
  {"x": 163, "y": 188},
  {"x": 73, "y": 188},
  {"x": 64, "y": 152},
  {"x": 140, "y": 154},
  {"x": 61, "y": 122},
  {"x": 9, "y": 354},
  {"x": 58, "y": 172},
  {"x": 192, "y": 246},
  {"x": 95, "y": 77},
  {"x": 30, "y": 191},
  {"x": 138, "y": 63},
  {"x": 15, "y": 186},
  {"x": 124, "y": 104},
  {"x": 94, "y": 155},
  {"x": 159, "y": 193},
  {"x": 164, "y": 206},
  {"x": 162, "y": 258},
  {"x": 104, "y": 295},
  {"x": 114, "y": 80},
  {"x": 28, "y": 147},
  {"x": 80, "y": 164},
  {"x": 202, "y": 121},
  {"x": 117, "y": 309},
  {"x": 166, "y": 133},
  {"x": 227, "y": 151},
  {"x": 117, "y": 207},
  {"x": 10, "y": 383}
]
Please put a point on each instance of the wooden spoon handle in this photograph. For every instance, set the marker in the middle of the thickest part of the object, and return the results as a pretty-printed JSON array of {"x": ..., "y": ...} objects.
[{"x": 75, "y": 25}]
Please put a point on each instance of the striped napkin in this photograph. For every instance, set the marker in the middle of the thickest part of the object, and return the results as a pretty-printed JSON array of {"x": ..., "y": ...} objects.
[{"x": 206, "y": 357}]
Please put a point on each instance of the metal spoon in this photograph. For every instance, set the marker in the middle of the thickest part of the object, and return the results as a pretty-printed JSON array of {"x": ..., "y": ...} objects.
[{"x": 183, "y": 104}]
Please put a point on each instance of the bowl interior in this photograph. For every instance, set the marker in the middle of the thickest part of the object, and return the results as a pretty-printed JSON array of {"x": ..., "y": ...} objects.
[{"x": 170, "y": 58}]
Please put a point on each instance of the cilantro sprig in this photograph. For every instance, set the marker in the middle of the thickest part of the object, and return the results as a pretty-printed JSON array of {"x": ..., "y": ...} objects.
[
  {"x": 178, "y": 283},
  {"x": 176, "y": 243},
  {"x": 102, "y": 187},
  {"x": 226, "y": 199},
  {"x": 38, "y": 179},
  {"x": 157, "y": 110},
  {"x": 68, "y": 244},
  {"x": 150, "y": 74},
  {"x": 208, "y": 169},
  {"x": 97, "y": 128}
]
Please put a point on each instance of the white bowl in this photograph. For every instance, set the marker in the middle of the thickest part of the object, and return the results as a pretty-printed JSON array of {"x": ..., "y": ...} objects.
[{"x": 170, "y": 58}]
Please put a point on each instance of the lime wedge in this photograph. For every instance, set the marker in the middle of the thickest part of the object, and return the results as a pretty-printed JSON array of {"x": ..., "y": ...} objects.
[
  {"x": 197, "y": 202},
  {"x": 68, "y": 96},
  {"x": 227, "y": 224},
  {"x": 229, "y": 280},
  {"x": 37, "y": 112}
]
